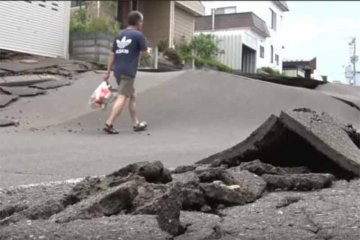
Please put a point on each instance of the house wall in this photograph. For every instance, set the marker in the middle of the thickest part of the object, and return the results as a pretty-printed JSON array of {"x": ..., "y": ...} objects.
[
  {"x": 230, "y": 44},
  {"x": 156, "y": 21},
  {"x": 261, "y": 9},
  {"x": 195, "y": 6},
  {"x": 36, "y": 27},
  {"x": 294, "y": 72},
  {"x": 290, "y": 72},
  {"x": 184, "y": 24},
  {"x": 163, "y": 20}
]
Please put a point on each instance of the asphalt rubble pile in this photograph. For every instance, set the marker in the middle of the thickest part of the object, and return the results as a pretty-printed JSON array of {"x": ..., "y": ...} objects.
[
  {"x": 24, "y": 75},
  {"x": 295, "y": 177}
]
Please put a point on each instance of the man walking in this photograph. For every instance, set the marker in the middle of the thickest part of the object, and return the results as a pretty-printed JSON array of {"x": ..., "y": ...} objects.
[{"x": 124, "y": 60}]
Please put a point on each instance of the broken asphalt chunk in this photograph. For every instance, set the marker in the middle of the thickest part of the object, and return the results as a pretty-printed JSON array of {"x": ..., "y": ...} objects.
[
  {"x": 167, "y": 208},
  {"x": 107, "y": 203},
  {"x": 51, "y": 84},
  {"x": 298, "y": 138},
  {"x": 22, "y": 91},
  {"x": 5, "y": 100},
  {"x": 327, "y": 136},
  {"x": 139, "y": 227},
  {"x": 249, "y": 188},
  {"x": 200, "y": 226},
  {"x": 26, "y": 80},
  {"x": 8, "y": 123},
  {"x": 183, "y": 169},
  {"x": 260, "y": 168},
  {"x": 154, "y": 172},
  {"x": 298, "y": 182},
  {"x": 216, "y": 174},
  {"x": 18, "y": 66}
]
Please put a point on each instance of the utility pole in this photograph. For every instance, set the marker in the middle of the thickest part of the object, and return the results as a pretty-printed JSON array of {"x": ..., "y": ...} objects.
[
  {"x": 213, "y": 19},
  {"x": 353, "y": 59}
]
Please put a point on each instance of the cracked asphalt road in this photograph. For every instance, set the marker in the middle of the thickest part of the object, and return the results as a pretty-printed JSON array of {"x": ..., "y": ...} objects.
[
  {"x": 191, "y": 115},
  {"x": 331, "y": 213}
]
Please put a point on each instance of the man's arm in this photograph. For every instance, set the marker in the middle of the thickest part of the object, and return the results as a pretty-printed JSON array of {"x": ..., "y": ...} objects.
[
  {"x": 146, "y": 54},
  {"x": 110, "y": 66},
  {"x": 143, "y": 47}
]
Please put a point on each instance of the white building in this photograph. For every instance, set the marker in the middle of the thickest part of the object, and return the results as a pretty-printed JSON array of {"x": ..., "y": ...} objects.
[
  {"x": 35, "y": 27},
  {"x": 266, "y": 17},
  {"x": 303, "y": 69}
]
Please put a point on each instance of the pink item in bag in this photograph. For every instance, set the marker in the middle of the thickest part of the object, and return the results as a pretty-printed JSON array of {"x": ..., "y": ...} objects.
[{"x": 101, "y": 96}]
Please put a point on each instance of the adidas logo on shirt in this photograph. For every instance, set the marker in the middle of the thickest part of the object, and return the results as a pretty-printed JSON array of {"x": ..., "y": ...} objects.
[{"x": 122, "y": 44}]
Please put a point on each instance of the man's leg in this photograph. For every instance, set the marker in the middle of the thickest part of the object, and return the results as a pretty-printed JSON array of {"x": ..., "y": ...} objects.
[
  {"x": 117, "y": 109},
  {"x": 132, "y": 110},
  {"x": 138, "y": 126}
]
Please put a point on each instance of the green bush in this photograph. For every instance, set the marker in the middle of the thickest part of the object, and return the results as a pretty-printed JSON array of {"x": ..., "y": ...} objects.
[
  {"x": 163, "y": 45},
  {"x": 184, "y": 48},
  {"x": 146, "y": 62},
  {"x": 80, "y": 23},
  {"x": 173, "y": 56},
  {"x": 211, "y": 63},
  {"x": 202, "y": 49},
  {"x": 205, "y": 46},
  {"x": 271, "y": 71}
]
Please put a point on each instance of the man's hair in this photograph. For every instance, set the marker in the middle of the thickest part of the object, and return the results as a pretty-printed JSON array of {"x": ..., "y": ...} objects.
[{"x": 134, "y": 18}]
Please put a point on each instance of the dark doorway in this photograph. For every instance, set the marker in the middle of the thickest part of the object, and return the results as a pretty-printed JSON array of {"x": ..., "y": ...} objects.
[
  {"x": 135, "y": 5},
  {"x": 248, "y": 62},
  {"x": 124, "y": 8}
]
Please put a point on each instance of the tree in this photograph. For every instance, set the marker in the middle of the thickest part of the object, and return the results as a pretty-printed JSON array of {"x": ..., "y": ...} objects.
[{"x": 205, "y": 46}]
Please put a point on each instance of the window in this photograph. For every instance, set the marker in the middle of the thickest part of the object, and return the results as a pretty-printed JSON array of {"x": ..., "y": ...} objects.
[
  {"x": 273, "y": 20},
  {"x": 277, "y": 59},
  {"x": 77, "y": 3},
  {"x": 225, "y": 10},
  {"x": 272, "y": 54},
  {"x": 262, "y": 51}
]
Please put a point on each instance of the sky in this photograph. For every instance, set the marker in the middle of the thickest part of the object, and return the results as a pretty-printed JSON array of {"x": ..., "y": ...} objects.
[{"x": 322, "y": 29}]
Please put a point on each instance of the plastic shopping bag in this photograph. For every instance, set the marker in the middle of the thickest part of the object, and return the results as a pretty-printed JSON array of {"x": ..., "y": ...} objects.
[{"x": 101, "y": 96}]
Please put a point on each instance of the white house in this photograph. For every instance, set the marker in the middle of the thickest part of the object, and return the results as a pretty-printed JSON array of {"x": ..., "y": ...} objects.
[
  {"x": 35, "y": 27},
  {"x": 261, "y": 24},
  {"x": 237, "y": 35}
]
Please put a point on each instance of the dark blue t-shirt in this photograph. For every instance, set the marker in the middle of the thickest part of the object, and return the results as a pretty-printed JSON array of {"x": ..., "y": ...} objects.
[{"x": 127, "y": 47}]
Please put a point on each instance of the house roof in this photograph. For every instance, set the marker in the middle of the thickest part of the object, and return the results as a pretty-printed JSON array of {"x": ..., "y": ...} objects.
[
  {"x": 233, "y": 21},
  {"x": 291, "y": 64},
  {"x": 282, "y": 5}
]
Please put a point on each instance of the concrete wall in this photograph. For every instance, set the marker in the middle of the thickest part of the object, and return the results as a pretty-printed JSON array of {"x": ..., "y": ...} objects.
[
  {"x": 94, "y": 47},
  {"x": 156, "y": 21},
  {"x": 184, "y": 24}
]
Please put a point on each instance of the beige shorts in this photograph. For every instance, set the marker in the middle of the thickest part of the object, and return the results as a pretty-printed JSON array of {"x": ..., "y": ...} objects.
[{"x": 126, "y": 86}]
